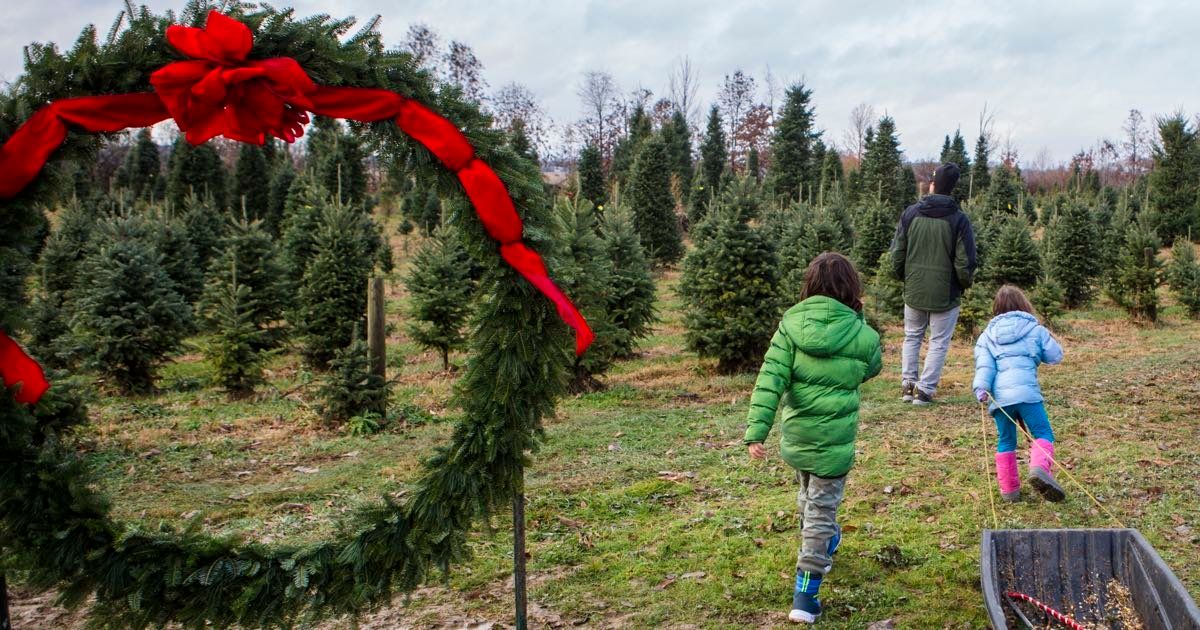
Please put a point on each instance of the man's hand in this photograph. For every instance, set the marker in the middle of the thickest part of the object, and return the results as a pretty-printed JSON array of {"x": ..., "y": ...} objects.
[{"x": 757, "y": 451}]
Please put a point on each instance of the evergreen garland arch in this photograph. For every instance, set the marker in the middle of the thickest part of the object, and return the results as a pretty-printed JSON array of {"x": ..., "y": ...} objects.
[{"x": 56, "y": 529}]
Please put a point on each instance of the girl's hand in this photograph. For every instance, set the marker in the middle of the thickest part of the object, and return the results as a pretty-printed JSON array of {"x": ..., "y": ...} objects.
[
  {"x": 757, "y": 451},
  {"x": 981, "y": 395}
]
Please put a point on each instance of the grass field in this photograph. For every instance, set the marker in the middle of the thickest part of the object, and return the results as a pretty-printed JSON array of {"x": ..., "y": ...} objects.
[{"x": 644, "y": 509}]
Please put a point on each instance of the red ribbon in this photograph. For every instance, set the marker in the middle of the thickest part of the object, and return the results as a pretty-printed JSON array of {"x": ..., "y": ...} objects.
[
  {"x": 19, "y": 369},
  {"x": 220, "y": 92}
]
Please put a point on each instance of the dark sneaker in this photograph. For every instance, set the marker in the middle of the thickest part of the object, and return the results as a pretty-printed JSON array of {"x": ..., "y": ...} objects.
[
  {"x": 921, "y": 399},
  {"x": 1044, "y": 483},
  {"x": 907, "y": 392}
]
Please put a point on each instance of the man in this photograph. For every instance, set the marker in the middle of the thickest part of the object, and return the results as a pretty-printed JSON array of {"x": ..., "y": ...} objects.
[{"x": 933, "y": 253}]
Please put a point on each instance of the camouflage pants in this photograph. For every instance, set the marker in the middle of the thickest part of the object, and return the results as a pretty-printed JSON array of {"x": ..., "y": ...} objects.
[{"x": 818, "y": 500}]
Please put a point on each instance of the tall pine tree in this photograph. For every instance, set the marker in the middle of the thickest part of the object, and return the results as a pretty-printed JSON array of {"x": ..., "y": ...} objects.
[
  {"x": 591, "y": 176},
  {"x": 1072, "y": 244},
  {"x": 653, "y": 205},
  {"x": 630, "y": 146},
  {"x": 1138, "y": 273},
  {"x": 1175, "y": 180},
  {"x": 248, "y": 255},
  {"x": 794, "y": 166},
  {"x": 883, "y": 175},
  {"x": 713, "y": 155},
  {"x": 1184, "y": 277},
  {"x": 586, "y": 272},
  {"x": 196, "y": 170},
  {"x": 251, "y": 183},
  {"x": 632, "y": 292},
  {"x": 874, "y": 226},
  {"x": 1015, "y": 258},
  {"x": 141, "y": 172},
  {"x": 678, "y": 137},
  {"x": 955, "y": 151},
  {"x": 980, "y": 178}
]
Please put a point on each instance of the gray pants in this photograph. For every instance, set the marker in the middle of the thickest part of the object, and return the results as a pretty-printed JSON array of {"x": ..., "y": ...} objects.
[
  {"x": 818, "y": 500},
  {"x": 941, "y": 328}
]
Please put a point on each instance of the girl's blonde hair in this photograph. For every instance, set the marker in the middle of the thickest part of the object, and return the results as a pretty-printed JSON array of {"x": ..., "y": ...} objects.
[{"x": 1011, "y": 298}]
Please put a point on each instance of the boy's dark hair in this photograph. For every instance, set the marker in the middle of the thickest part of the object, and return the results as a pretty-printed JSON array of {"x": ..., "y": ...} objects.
[
  {"x": 1011, "y": 298},
  {"x": 833, "y": 275}
]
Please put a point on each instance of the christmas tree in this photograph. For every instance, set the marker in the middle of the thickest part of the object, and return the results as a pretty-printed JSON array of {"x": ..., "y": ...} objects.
[
  {"x": 235, "y": 348},
  {"x": 631, "y": 294},
  {"x": 301, "y": 216},
  {"x": 874, "y": 227},
  {"x": 440, "y": 291},
  {"x": 518, "y": 141},
  {"x": 753, "y": 167},
  {"x": 249, "y": 258},
  {"x": 195, "y": 170},
  {"x": 1014, "y": 259},
  {"x": 832, "y": 173},
  {"x": 883, "y": 177},
  {"x": 281, "y": 185},
  {"x": 128, "y": 314},
  {"x": 980, "y": 176},
  {"x": 1175, "y": 179},
  {"x": 1138, "y": 273},
  {"x": 678, "y": 137},
  {"x": 141, "y": 172},
  {"x": 885, "y": 294},
  {"x": 60, "y": 259},
  {"x": 591, "y": 176},
  {"x": 1072, "y": 242},
  {"x": 430, "y": 216},
  {"x": 350, "y": 389},
  {"x": 955, "y": 152},
  {"x": 251, "y": 183},
  {"x": 1184, "y": 276},
  {"x": 1003, "y": 196},
  {"x": 586, "y": 273},
  {"x": 630, "y": 146},
  {"x": 975, "y": 309},
  {"x": 172, "y": 239},
  {"x": 713, "y": 154},
  {"x": 653, "y": 205},
  {"x": 332, "y": 301},
  {"x": 205, "y": 226},
  {"x": 794, "y": 166},
  {"x": 1048, "y": 298},
  {"x": 730, "y": 292}
]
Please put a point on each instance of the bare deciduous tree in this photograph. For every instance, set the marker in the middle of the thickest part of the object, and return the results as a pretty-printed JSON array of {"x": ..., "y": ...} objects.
[
  {"x": 1137, "y": 142},
  {"x": 736, "y": 98},
  {"x": 682, "y": 86},
  {"x": 862, "y": 117},
  {"x": 515, "y": 102},
  {"x": 601, "y": 111},
  {"x": 422, "y": 43},
  {"x": 465, "y": 70}
]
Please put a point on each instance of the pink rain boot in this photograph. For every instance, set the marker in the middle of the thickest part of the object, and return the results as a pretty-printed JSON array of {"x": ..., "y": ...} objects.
[
  {"x": 1006, "y": 474},
  {"x": 1041, "y": 462}
]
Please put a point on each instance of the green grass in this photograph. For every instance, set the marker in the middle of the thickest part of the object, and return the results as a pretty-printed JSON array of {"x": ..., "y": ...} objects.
[{"x": 643, "y": 508}]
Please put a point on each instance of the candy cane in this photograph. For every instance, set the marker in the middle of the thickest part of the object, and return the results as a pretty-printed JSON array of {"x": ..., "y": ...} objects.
[{"x": 1059, "y": 617}]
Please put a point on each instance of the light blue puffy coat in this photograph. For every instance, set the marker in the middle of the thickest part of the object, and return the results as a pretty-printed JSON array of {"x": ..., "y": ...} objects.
[{"x": 1007, "y": 356}]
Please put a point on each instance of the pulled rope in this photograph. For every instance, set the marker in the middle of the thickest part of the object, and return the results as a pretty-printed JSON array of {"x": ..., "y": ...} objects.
[
  {"x": 987, "y": 466},
  {"x": 1057, "y": 616},
  {"x": 1057, "y": 465}
]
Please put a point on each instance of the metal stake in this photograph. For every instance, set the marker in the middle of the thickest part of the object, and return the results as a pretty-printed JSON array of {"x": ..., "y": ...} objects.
[{"x": 519, "y": 549}]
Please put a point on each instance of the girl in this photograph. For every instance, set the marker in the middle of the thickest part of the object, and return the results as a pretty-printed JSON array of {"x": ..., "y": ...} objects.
[
  {"x": 821, "y": 354},
  {"x": 1007, "y": 356}
]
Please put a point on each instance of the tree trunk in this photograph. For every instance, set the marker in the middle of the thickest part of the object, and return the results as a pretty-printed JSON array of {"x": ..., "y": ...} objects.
[{"x": 5, "y": 623}]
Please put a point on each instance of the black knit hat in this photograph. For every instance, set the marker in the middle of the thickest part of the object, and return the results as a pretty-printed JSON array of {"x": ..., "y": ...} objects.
[{"x": 944, "y": 178}]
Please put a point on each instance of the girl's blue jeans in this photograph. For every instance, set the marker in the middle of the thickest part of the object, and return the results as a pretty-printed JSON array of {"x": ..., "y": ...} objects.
[{"x": 1032, "y": 415}]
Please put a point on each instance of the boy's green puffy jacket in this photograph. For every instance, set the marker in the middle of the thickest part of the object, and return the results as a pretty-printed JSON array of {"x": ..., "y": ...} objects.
[{"x": 821, "y": 354}]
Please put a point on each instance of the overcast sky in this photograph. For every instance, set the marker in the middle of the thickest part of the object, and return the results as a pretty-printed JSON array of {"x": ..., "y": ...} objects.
[{"x": 1058, "y": 75}]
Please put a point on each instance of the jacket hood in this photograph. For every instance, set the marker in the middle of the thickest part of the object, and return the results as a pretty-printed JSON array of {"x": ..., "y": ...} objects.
[
  {"x": 821, "y": 326},
  {"x": 1010, "y": 327},
  {"x": 937, "y": 206}
]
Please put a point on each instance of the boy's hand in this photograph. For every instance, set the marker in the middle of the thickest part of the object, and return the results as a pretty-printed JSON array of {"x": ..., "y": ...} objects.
[{"x": 757, "y": 451}]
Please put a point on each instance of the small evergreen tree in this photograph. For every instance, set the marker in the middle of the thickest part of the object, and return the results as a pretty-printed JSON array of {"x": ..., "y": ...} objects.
[
  {"x": 630, "y": 147},
  {"x": 350, "y": 389},
  {"x": 141, "y": 172},
  {"x": 1003, "y": 196},
  {"x": 431, "y": 212},
  {"x": 251, "y": 183},
  {"x": 832, "y": 173},
  {"x": 753, "y": 168},
  {"x": 1073, "y": 262},
  {"x": 885, "y": 294},
  {"x": 1047, "y": 298},
  {"x": 1015, "y": 258},
  {"x": 338, "y": 159},
  {"x": 632, "y": 292},
  {"x": 333, "y": 292},
  {"x": 884, "y": 178},
  {"x": 281, "y": 185},
  {"x": 729, "y": 289},
  {"x": 1175, "y": 180},
  {"x": 440, "y": 290},
  {"x": 172, "y": 239},
  {"x": 653, "y": 205},
  {"x": 249, "y": 257},
  {"x": 60, "y": 259},
  {"x": 518, "y": 140},
  {"x": 128, "y": 314},
  {"x": 301, "y": 217},
  {"x": 713, "y": 155},
  {"x": 1139, "y": 273},
  {"x": 591, "y": 176},
  {"x": 49, "y": 335},
  {"x": 196, "y": 170},
  {"x": 235, "y": 349},
  {"x": 205, "y": 227},
  {"x": 792, "y": 146},
  {"x": 975, "y": 309},
  {"x": 873, "y": 230},
  {"x": 1184, "y": 277},
  {"x": 586, "y": 272},
  {"x": 678, "y": 137}
]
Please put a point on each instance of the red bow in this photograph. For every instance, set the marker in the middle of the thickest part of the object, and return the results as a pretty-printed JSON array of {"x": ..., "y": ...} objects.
[
  {"x": 18, "y": 369},
  {"x": 220, "y": 93}
]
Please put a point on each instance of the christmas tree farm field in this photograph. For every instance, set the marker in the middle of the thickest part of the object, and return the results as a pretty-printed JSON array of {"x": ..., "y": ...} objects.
[{"x": 644, "y": 509}]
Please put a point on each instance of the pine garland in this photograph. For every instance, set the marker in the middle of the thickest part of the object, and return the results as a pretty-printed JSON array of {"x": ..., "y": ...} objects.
[{"x": 57, "y": 530}]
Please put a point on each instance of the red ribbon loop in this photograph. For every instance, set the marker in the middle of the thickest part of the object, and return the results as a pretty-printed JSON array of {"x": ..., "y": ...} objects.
[{"x": 219, "y": 93}]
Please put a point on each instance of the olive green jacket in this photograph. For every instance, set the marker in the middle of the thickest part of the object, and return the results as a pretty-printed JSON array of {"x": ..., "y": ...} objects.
[{"x": 934, "y": 254}]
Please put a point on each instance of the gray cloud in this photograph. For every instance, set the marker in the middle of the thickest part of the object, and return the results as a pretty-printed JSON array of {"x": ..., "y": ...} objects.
[{"x": 1058, "y": 75}]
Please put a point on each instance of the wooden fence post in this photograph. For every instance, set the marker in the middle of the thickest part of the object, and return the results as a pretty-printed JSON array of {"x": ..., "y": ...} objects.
[
  {"x": 376, "y": 337},
  {"x": 5, "y": 622},
  {"x": 519, "y": 595}
]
